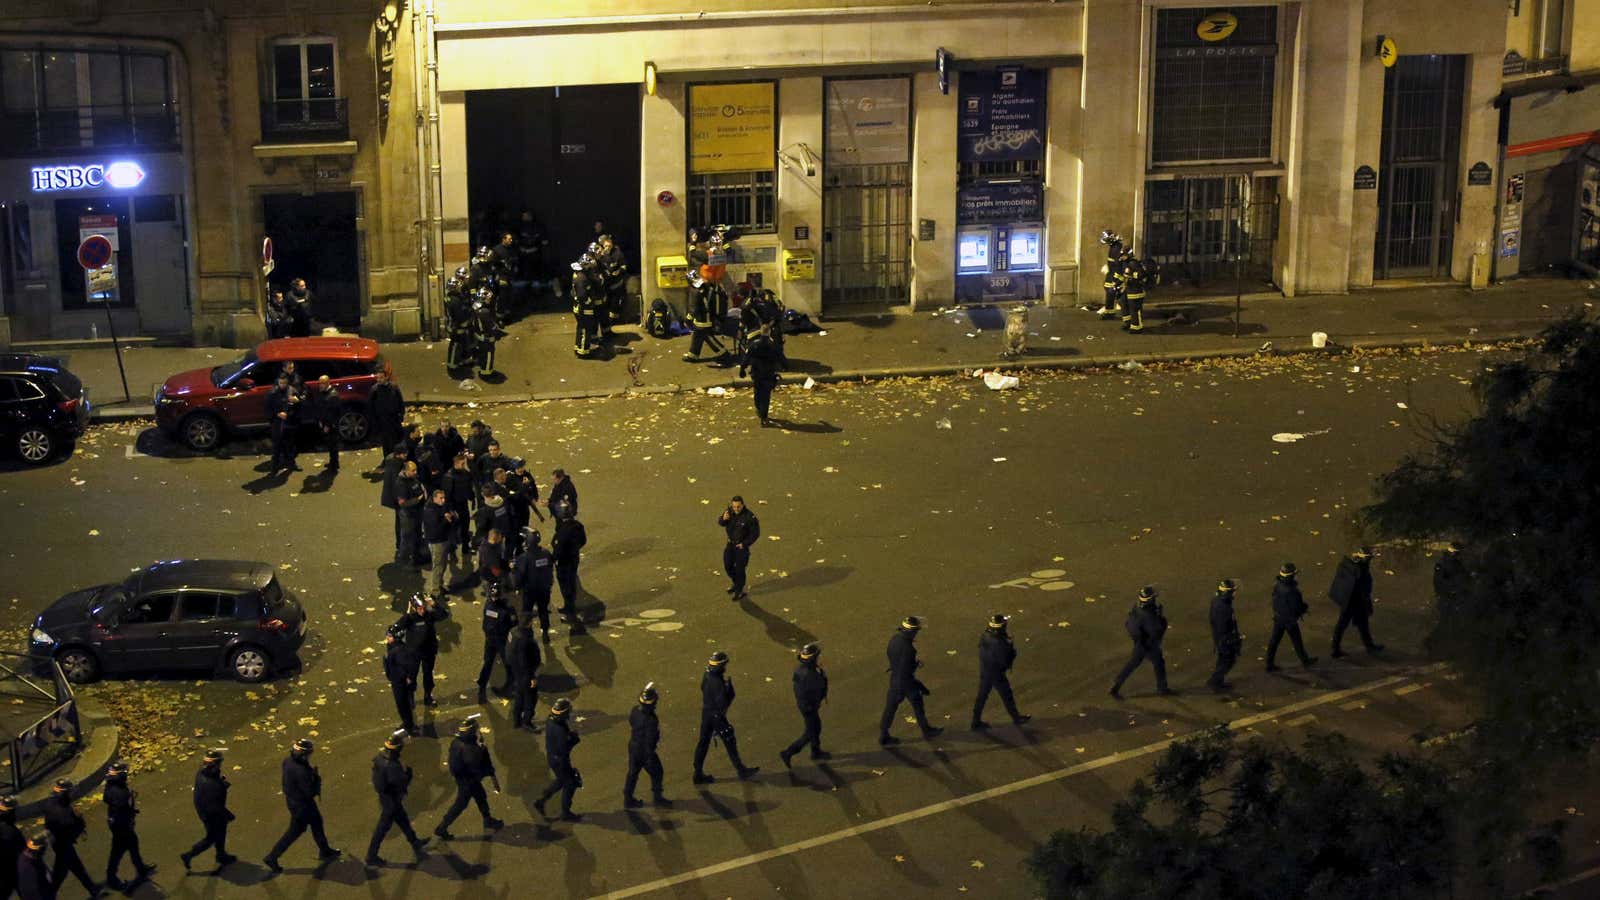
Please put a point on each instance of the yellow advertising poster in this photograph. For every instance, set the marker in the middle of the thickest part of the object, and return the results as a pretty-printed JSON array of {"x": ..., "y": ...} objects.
[{"x": 731, "y": 127}]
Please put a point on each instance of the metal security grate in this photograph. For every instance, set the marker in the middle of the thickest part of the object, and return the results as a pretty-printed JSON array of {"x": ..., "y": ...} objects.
[
  {"x": 867, "y": 254},
  {"x": 1421, "y": 134},
  {"x": 1195, "y": 227},
  {"x": 748, "y": 201},
  {"x": 1213, "y": 101}
]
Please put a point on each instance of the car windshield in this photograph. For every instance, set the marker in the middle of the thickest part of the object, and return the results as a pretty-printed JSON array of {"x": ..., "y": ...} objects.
[
  {"x": 108, "y": 604},
  {"x": 227, "y": 372}
]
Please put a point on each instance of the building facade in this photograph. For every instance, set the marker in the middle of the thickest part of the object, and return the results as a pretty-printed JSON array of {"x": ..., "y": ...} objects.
[{"x": 882, "y": 154}]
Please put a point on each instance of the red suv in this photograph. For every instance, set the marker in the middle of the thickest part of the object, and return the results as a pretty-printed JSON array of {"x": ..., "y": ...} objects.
[{"x": 201, "y": 407}]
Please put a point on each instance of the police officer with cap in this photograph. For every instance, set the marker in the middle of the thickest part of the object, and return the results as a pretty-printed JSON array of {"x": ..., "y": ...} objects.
[
  {"x": 559, "y": 739},
  {"x": 644, "y": 734},
  {"x": 419, "y": 628},
  {"x": 904, "y": 686},
  {"x": 1225, "y": 637},
  {"x": 525, "y": 660},
  {"x": 1351, "y": 591},
  {"x": 400, "y": 667},
  {"x": 1288, "y": 605},
  {"x": 11, "y": 845},
  {"x": 498, "y": 620},
  {"x": 391, "y": 779},
  {"x": 66, "y": 828},
  {"x": 470, "y": 764},
  {"x": 533, "y": 573},
  {"x": 996, "y": 655},
  {"x": 302, "y": 785},
  {"x": 716, "y": 695},
  {"x": 1147, "y": 626},
  {"x": 810, "y": 690},
  {"x": 34, "y": 881},
  {"x": 211, "y": 804},
  {"x": 121, "y": 810}
]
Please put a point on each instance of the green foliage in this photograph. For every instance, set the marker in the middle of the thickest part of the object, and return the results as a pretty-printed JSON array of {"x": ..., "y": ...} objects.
[{"x": 1221, "y": 820}]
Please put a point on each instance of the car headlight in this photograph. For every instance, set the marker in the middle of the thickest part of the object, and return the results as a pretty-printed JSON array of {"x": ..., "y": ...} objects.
[{"x": 39, "y": 636}]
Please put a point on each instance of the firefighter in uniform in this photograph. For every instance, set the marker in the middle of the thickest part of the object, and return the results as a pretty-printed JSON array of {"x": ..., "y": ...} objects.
[
  {"x": 1225, "y": 637},
  {"x": 996, "y": 655},
  {"x": 588, "y": 301},
  {"x": 810, "y": 690},
  {"x": 716, "y": 695},
  {"x": 470, "y": 764},
  {"x": 1135, "y": 277},
  {"x": 1147, "y": 626},
  {"x": 1112, "y": 285},
  {"x": 644, "y": 735}
]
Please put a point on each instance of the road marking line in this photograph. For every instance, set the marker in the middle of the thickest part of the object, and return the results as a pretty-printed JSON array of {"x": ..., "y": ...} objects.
[
  {"x": 1585, "y": 875},
  {"x": 831, "y": 837},
  {"x": 1354, "y": 706},
  {"x": 1408, "y": 689},
  {"x": 1306, "y": 719}
]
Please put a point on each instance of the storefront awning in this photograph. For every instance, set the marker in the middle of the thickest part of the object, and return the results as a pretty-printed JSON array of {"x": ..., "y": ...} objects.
[{"x": 1569, "y": 82}]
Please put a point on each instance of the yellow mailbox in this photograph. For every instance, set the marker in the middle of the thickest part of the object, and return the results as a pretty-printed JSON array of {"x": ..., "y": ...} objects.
[
  {"x": 800, "y": 265},
  {"x": 672, "y": 272}
]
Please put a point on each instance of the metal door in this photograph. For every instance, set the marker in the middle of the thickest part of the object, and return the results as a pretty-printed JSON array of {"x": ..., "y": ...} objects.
[
  {"x": 159, "y": 262},
  {"x": 1417, "y": 198},
  {"x": 866, "y": 255},
  {"x": 1206, "y": 231}
]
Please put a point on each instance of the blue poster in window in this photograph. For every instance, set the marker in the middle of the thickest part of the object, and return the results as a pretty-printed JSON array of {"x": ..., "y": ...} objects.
[
  {"x": 1004, "y": 202},
  {"x": 1002, "y": 115}
]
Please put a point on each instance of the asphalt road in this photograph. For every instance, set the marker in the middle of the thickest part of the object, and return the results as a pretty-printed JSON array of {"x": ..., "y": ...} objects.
[{"x": 1052, "y": 503}]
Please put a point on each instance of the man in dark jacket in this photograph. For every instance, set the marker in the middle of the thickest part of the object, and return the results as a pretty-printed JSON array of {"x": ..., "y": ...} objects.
[
  {"x": 211, "y": 804},
  {"x": 743, "y": 530},
  {"x": 66, "y": 828},
  {"x": 1147, "y": 626},
  {"x": 478, "y": 437},
  {"x": 498, "y": 620},
  {"x": 904, "y": 686},
  {"x": 301, "y": 308},
  {"x": 446, "y": 442},
  {"x": 1287, "y": 608},
  {"x": 559, "y": 739},
  {"x": 283, "y": 414},
  {"x": 391, "y": 780},
  {"x": 400, "y": 666},
  {"x": 34, "y": 881},
  {"x": 996, "y": 655},
  {"x": 644, "y": 735},
  {"x": 12, "y": 843},
  {"x": 459, "y": 496},
  {"x": 438, "y": 532},
  {"x": 327, "y": 409},
  {"x": 762, "y": 358},
  {"x": 470, "y": 764},
  {"x": 563, "y": 494},
  {"x": 492, "y": 515},
  {"x": 524, "y": 660},
  {"x": 121, "y": 810},
  {"x": 302, "y": 785},
  {"x": 716, "y": 696},
  {"x": 1351, "y": 591},
  {"x": 810, "y": 690},
  {"x": 386, "y": 410},
  {"x": 419, "y": 629},
  {"x": 566, "y": 545},
  {"x": 534, "y": 574},
  {"x": 1225, "y": 638},
  {"x": 409, "y": 496}
]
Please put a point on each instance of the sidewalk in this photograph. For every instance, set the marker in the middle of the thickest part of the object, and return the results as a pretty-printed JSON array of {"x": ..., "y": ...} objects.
[{"x": 537, "y": 360}]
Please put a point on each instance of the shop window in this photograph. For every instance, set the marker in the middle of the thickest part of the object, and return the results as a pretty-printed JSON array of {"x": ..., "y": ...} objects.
[
  {"x": 65, "y": 98},
  {"x": 75, "y": 217},
  {"x": 303, "y": 92},
  {"x": 747, "y": 201},
  {"x": 1214, "y": 99}
]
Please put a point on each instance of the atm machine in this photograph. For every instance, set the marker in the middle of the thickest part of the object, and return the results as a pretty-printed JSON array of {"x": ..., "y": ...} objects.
[{"x": 1000, "y": 262}]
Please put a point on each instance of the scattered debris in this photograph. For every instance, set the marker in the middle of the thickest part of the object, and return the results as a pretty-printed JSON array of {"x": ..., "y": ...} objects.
[
  {"x": 995, "y": 381},
  {"x": 467, "y": 384},
  {"x": 1289, "y": 437},
  {"x": 717, "y": 391},
  {"x": 943, "y": 424},
  {"x": 810, "y": 383}
]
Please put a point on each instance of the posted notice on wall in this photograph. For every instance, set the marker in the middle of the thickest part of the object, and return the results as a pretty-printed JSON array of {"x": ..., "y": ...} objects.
[
  {"x": 732, "y": 127},
  {"x": 100, "y": 285}
]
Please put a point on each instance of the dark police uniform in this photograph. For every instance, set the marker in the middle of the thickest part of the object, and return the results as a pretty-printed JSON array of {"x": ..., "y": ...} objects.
[
  {"x": 534, "y": 575},
  {"x": 391, "y": 780},
  {"x": 1287, "y": 608},
  {"x": 459, "y": 487},
  {"x": 904, "y": 686},
  {"x": 120, "y": 814},
  {"x": 1147, "y": 626},
  {"x": 810, "y": 689},
  {"x": 386, "y": 410},
  {"x": 211, "y": 804},
  {"x": 400, "y": 667},
  {"x": 12, "y": 843},
  {"x": 302, "y": 785},
  {"x": 996, "y": 655},
  {"x": 644, "y": 735},
  {"x": 566, "y": 545},
  {"x": 564, "y": 494},
  {"x": 1225, "y": 639},
  {"x": 66, "y": 828},
  {"x": 743, "y": 530},
  {"x": 762, "y": 358},
  {"x": 498, "y": 620},
  {"x": 421, "y": 634},
  {"x": 716, "y": 695},
  {"x": 524, "y": 661},
  {"x": 559, "y": 739},
  {"x": 34, "y": 881},
  {"x": 470, "y": 764},
  {"x": 1352, "y": 592}
]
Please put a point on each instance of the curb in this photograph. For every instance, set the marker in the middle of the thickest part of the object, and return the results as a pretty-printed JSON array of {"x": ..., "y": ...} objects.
[
  {"x": 101, "y": 738},
  {"x": 1297, "y": 348}
]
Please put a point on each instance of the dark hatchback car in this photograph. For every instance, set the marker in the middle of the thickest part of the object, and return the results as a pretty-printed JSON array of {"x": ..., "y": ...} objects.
[
  {"x": 43, "y": 407},
  {"x": 210, "y": 614}
]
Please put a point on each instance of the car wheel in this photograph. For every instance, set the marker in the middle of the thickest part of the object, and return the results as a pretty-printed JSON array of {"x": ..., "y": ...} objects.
[
  {"x": 36, "y": 445},
  {"x": 78, "y": 664},
  {"x": 250, "y": 664},
  {"x": 353, "y": 425},
  {"x": 201, "y": 432}
]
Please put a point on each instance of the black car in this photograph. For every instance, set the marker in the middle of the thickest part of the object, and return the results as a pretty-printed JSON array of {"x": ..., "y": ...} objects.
[
  {"x": 43, "y": 407},
  {"x": 210, "y": 614}
]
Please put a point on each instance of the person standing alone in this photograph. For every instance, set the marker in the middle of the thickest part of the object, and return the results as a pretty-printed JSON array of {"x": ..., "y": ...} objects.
[{"x": 743, "y": 529}]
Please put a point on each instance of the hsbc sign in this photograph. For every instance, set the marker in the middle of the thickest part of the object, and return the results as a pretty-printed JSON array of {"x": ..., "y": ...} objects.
[{"x": 121, "y": 175}]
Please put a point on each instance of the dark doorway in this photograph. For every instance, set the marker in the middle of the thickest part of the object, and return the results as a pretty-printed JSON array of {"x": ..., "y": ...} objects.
[
  {"x": 315, "y": 238},
  {"x": 569, "y": 155},
  {"x": 1417, "y": 183}
]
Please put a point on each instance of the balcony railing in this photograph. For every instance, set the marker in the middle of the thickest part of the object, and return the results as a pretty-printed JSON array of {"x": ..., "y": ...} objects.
[
  {"x": 300, "y": 120},
  {"x": 34, "y": 131}
]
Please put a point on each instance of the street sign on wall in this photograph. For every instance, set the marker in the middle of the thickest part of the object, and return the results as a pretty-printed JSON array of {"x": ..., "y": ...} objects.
[{"x": 1002, "y": 115}]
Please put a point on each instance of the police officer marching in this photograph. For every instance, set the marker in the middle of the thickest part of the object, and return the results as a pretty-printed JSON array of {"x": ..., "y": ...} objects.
[
  {"x": 716, "y": 695},
  {"x": 524, "y": 659},
  {"x": 391, "y": 779},
  {"x": 996, "y": 655},
  {"x": 533, "y": 573},
  {"x": 470, "y": 764},
  {"x": 1147, "y": 626},
  {"x": 66, "y": 828},
  {"x": 810, "y": 690},
  {"x": 1287, "y": 607},
  {"x": 904, "y": 684},
  {"x": 644, "y": 735},
  {"x": 34, "y": 881},
  {"x": 1225, "y": 638},
  {"x": 121, "y": 810},
  {"x": 559, "y": 739},
  {"x": 12, "y": 843},
  {"x": 400, "y": 667},
  {"x": 1351, "y": 591},
  {"x": 211, "y": 805},
  {"x": 498, "y": 620},
  {"x": 302, "y": 785}
]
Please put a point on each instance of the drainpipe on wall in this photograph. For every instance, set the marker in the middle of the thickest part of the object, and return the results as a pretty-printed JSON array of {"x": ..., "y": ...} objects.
[{"x": 425, "y": 252}]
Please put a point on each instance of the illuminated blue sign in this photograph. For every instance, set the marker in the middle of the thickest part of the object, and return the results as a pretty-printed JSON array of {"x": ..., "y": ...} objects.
[{"x": 121, "y": 175}]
